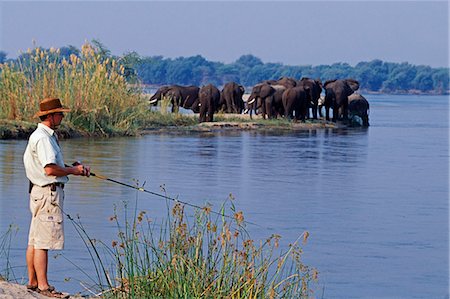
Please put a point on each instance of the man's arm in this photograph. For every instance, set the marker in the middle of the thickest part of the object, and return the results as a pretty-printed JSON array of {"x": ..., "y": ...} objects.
[{"x": 56, "y": 170}]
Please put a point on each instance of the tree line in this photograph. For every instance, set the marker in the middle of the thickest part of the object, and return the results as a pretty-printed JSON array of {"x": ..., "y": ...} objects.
[{"x": 248, "y": 70}]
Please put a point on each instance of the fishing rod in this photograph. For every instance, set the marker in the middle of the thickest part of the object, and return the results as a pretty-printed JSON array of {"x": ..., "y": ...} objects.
[{"x": 166, "y": 197}]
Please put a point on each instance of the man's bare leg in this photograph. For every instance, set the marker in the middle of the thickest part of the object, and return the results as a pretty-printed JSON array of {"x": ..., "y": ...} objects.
[
  {"x": 40, "y": 266},
  {"x": 32, "y": 279}
]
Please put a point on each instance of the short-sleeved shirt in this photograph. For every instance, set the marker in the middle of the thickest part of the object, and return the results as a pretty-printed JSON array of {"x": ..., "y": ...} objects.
[{"x": 43, "y": 149}]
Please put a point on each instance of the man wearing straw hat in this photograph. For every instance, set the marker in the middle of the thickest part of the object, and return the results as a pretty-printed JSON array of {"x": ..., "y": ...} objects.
[{"x": 45, "y": 168}]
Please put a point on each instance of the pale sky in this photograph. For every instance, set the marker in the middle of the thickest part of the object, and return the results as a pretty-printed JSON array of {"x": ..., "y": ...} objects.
[{"x": 292, "y": 32}]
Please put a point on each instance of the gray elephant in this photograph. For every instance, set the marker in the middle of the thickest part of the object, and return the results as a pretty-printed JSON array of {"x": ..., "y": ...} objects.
[
  {"x": 231, "y": 98},
  {"x": 160, "y": 93},
  {"x": 336, "y": 97},
  {"x": 358, "y": 110},
  {"x": 209, "y": 97},
  {"x": 295, "y": 101},
  {"x": 267, "y": 97},
  {"x": 180, "y": 96},
  {"x": 313, "y": 89}
]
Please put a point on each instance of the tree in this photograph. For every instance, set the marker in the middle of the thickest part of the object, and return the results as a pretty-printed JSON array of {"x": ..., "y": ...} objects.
[
  {"x": 249, "y": 61},
  {"x": 2, "y": 56},
  {"x": 153, "y": 70},
  {"x": 371, "y": 75},
  {"x": 69, "y": 50},
  {"x": 424, "y": 79}
]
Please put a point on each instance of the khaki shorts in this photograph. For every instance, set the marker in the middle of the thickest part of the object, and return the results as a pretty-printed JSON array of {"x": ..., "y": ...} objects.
[{"x": 47, "y": 227}]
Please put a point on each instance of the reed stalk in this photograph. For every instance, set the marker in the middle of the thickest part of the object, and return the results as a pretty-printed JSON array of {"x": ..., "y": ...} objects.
[
  {"x": 6, "y": 270},
  {"x": 204, "y": 256},
  {"x": 93, "y": 87}
]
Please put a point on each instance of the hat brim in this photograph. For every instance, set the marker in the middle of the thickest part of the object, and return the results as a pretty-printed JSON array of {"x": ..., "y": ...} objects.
[{"x": 42, "y": 113}]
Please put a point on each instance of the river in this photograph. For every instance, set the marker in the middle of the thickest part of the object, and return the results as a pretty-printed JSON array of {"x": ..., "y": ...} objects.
[{"x": 375, "y": 201}]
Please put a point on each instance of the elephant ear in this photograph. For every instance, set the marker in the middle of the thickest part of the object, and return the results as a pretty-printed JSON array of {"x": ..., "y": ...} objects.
[
  {"x": 329, "y": 82},
  {"x": 354, "y": 85}
]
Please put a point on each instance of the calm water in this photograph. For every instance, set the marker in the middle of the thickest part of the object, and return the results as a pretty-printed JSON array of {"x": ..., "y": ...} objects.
[{"x": 375, "y": 201}]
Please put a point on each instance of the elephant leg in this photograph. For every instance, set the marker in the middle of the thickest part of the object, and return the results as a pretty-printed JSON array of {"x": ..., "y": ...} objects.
[
  {"x": 365, "y": 120},
  {"x": 314, "y": 111},
  {"x": 263, "y": 108},
  {"x": 229, "y": 105},
  {"x": 202, "y": 116},
  {"x": 210, "y": 113},
  {"x": 335, "y": 113},
  {"x": 269, "y": 109},
  {"x": 345, "y": 113},
  {"x": 176, "y": 105}
]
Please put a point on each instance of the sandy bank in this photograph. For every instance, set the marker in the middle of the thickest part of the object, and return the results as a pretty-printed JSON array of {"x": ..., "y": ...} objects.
[{"x": 10, "y": 290}]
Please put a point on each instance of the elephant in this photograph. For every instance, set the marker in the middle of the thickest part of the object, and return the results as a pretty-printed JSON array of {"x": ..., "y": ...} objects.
[
  {"x": 313, "y": 89},
  {"x": 358, "y": 109},
  {"x": 180, "y": 96},
  {"x": 336, "y": 96},
  {"x": 270, "y": 97},
  {"x": 209, "y": 97},
  {"x": 160, "y": 93},
  {"x": 231, "y": 98},
  {"x": 295, "y": 100}
]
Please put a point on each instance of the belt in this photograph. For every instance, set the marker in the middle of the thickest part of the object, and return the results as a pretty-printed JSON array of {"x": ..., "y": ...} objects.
[{"x": 52, "y": 186}]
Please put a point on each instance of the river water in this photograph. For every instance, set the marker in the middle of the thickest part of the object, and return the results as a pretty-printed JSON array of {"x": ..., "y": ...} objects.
[{"x": 375, "y": 201}]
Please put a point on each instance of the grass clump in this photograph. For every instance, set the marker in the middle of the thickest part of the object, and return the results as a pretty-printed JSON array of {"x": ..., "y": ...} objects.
[
  {"x": 207, "y": 256},
  {"x": 92, "y": 85}
]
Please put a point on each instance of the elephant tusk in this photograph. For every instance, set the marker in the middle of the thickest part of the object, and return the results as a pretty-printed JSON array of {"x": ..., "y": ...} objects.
[
  {"x": 245, "y": 111},
  {"x": 251, "y": 102},
  {"x": 153, "y": 101}
]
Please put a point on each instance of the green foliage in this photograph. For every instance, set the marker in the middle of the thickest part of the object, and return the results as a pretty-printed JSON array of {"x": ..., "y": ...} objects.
[
  {"x": 374, "y": 76},
  {"x": 92, "y": 84},
  {"x": 2, "y": 56},
  {"x": 205, "y": 256}
]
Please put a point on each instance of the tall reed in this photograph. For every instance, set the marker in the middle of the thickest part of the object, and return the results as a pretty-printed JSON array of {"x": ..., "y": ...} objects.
[
  {"x": 206, "y": 256},
  {"x": 93, "y": 86},
  {"x": 6, "y": 270}
]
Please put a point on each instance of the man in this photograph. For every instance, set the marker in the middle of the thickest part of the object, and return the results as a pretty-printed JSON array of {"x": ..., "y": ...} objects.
[{"x": 45, "y": 168}]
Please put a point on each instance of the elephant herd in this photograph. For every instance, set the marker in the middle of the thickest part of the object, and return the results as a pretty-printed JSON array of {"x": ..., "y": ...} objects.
[
  {"x": 286, "y": 97},
  {"x": 206, "y": 100}
]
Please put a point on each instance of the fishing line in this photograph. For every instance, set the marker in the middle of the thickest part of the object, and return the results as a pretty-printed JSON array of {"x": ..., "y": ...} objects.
[{"x": 167, "y": 197}]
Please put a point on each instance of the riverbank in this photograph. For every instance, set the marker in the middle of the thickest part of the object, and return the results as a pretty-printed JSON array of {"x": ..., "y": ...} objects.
[
  {"x": 9, "y": 290},
  {"x": 223, "y": 122}
]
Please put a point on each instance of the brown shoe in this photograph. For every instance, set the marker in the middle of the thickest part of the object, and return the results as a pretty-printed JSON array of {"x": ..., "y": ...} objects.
[
  {"x": 51, "y": 292},
  {"x": 32, "y": 288}
]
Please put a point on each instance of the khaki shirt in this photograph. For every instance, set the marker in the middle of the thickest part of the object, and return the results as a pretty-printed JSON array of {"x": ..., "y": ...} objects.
[{"x": 43, "y": 149}]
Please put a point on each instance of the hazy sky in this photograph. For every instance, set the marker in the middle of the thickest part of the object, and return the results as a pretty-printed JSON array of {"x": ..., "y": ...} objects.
[{"x": 292, "y": 32}]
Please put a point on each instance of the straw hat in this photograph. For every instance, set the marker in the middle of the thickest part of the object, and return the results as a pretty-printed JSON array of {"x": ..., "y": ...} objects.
[{"x": 50, "y": 105}]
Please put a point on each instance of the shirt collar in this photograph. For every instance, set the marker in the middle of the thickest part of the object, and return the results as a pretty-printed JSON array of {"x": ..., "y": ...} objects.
[{"x": 47, "y": 129}]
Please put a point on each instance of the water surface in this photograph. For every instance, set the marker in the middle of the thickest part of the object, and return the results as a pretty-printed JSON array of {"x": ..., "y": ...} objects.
[{"x": 375, "y": 201}]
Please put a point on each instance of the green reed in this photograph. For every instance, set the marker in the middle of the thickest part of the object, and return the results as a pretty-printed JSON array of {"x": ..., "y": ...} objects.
[
  {"x": 205, "y": 256},
  {"x": 94, "y": 88},
  {"x": 6, "y": 270}
]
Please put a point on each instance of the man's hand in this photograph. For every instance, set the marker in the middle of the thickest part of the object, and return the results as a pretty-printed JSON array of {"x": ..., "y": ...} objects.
[{"x": 82, "y": 170}]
